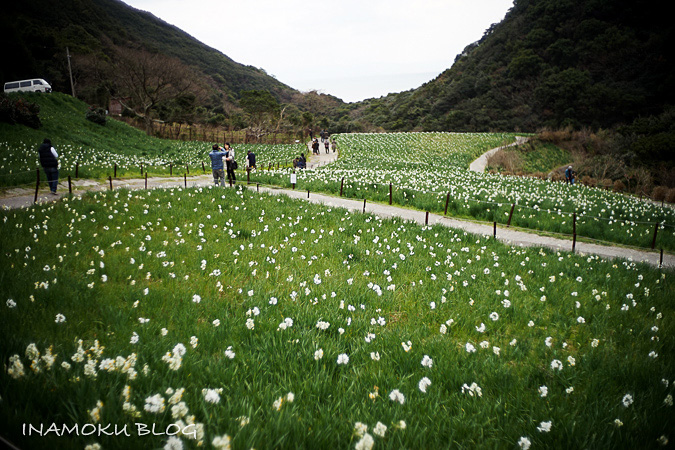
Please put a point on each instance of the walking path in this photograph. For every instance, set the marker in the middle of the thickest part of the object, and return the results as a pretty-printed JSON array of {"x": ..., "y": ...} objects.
[
  {"x": 18, "y": 198},
  {"x": 480, "y": 163}
]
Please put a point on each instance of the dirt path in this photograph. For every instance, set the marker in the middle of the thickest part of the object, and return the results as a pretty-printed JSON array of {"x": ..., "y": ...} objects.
[
  {"x": 480, "y": 163},
  {"x": 22, "y": 198}
]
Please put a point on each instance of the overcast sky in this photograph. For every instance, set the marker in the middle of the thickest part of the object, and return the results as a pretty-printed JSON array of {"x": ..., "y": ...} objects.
[{"x": 352, "y": 49}]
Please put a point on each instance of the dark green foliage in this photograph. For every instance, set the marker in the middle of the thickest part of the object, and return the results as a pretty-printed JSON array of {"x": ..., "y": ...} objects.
[
  {"x": 16, "y": 110},
  {"x": 549, "y": 63},
  {"x": 96, "y": 115}
]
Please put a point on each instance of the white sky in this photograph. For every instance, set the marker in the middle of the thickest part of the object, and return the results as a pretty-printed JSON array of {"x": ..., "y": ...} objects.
[{"x": 352, "y": 49}]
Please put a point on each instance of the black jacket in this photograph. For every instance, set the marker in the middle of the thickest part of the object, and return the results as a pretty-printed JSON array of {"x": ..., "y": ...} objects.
[{"x": 47, "y": 158}]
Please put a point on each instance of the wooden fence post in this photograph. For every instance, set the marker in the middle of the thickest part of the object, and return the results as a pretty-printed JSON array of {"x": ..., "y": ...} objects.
[
  {"x": 77, "y": 169},
  {"x": 37, "y": 185},
  {"x": 185, "y": 178},
  {"x": 115, "y": 171},
  {"x": 146, "y": 180},
  {"x": 426, "y": 220},
  {"x": 342, "y": 183},
  {"x": 494, "y": 230},
  {"x": 171, "y": 169},
  {"x": 574, "y": 232},
  {"x": 447, "y": 200},
  {"x": 110, "y": 180},
  {"x": 508, "y": 224},
  {"x": 70, "y": 185},
  {"x": 656, "y": 230},
  {"x": 390, "y": 193},
  {"x": 364, "y": 205}
]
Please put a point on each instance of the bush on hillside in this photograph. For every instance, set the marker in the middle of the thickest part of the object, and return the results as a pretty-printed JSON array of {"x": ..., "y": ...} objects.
[
  {"x": 19, "y": 111},
  {"x": 96, "y": 115}
]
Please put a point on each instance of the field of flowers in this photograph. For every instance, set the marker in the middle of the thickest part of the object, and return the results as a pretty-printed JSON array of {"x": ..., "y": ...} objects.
[
  {"x": 426, "y": 170},
  {"x": 20, "y": 160},
  {"x": 226, "y": 318}
]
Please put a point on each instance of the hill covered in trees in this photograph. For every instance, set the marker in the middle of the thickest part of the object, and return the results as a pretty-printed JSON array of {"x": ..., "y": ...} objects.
[
  {"x": 549, "y": 63},
  {"x": 586, "y": 64}
]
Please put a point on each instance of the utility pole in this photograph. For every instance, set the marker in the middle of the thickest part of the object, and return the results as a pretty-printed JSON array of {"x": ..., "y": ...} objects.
[{"x": 70, "y": 71}]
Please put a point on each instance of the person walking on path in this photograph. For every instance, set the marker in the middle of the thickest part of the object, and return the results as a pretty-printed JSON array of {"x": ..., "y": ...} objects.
[
  {"x": 49, "y": 160},
  {"x": 250, "y": 158},
  {"x": 315, "y": 147},
  {"x": 326, "y": 145},
  {"x": 230, "y": 163},
  {"x": 333, "y": 145},
  {"x": 217, "y": 155}
]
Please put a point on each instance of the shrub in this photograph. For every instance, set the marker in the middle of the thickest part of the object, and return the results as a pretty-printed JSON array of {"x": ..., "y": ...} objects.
[
  {"x": 670, "y": 195},
  {"x": 619, "y": 186},
  {"x": 659, "y": 193},
  {"x": 96, "y": 115},
  {"x": 19, "y": 111}
]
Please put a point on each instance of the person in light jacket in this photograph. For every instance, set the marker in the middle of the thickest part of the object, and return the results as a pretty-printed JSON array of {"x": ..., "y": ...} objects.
[{"x": 49, "y": 160}]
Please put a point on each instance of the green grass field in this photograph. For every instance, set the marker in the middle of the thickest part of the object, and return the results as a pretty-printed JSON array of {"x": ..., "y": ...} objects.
[{"x": 261, "y": 322}]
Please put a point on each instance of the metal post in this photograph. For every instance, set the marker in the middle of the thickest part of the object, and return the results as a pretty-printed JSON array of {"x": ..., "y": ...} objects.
[{"x": 390, "y": 193}]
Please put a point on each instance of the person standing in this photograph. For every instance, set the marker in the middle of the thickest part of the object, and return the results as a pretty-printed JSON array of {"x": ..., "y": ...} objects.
[
  {"x": 325, "y": 145},
  {"x": 49, "y": 160},
  {"x": 230, "y": 163},
  {"x": 250, "y": 156},
  {"x": 333, "y": 145},
  {"x": 568, "y": 175},
  {"x": 217, "y": 155}
]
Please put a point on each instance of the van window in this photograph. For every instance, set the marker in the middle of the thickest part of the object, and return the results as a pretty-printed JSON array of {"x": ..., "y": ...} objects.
[
  {"x": 37, "y": 82},
  {"x": 14, "y": 85},
  {"x": 25, "y": 83}
]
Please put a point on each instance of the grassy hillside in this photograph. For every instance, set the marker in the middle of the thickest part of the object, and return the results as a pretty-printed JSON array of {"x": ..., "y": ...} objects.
[{"x": 96, "y": 149}]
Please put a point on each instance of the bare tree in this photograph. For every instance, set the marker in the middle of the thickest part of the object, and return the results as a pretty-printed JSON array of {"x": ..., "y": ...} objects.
[{"x": 149, "y": 80}]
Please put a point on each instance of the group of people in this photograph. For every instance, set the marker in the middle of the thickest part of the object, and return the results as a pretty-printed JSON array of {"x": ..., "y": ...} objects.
[
  {"x": 300, "y": 162},
  {"x": 327, "y": 144},
  {"x": 222, "y": 160}
]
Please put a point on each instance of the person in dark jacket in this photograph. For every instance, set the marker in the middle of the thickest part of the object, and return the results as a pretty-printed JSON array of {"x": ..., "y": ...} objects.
[
  {"x": 49, "y": 160},
  {"x": 250, "y": 156},
  {"x": 230, "y": 163}
]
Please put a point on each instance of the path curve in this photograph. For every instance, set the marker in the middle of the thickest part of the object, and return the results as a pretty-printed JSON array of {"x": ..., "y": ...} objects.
[{"x": 480, "y": 163}]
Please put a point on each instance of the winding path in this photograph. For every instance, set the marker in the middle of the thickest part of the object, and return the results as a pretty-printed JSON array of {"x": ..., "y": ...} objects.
[
  {"x": 21, "y": 198},
  {"x": 480, "y": 163}
]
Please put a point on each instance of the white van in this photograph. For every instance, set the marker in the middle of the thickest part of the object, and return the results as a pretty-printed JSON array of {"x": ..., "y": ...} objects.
[{"x": 34, "y": 85}]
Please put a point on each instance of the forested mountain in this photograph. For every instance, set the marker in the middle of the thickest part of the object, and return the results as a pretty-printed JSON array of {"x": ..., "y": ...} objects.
[
  {"x": 35, "y": 34},
  {"x": 550, "y": 63},
  {"x": 553, "y": 63}
]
